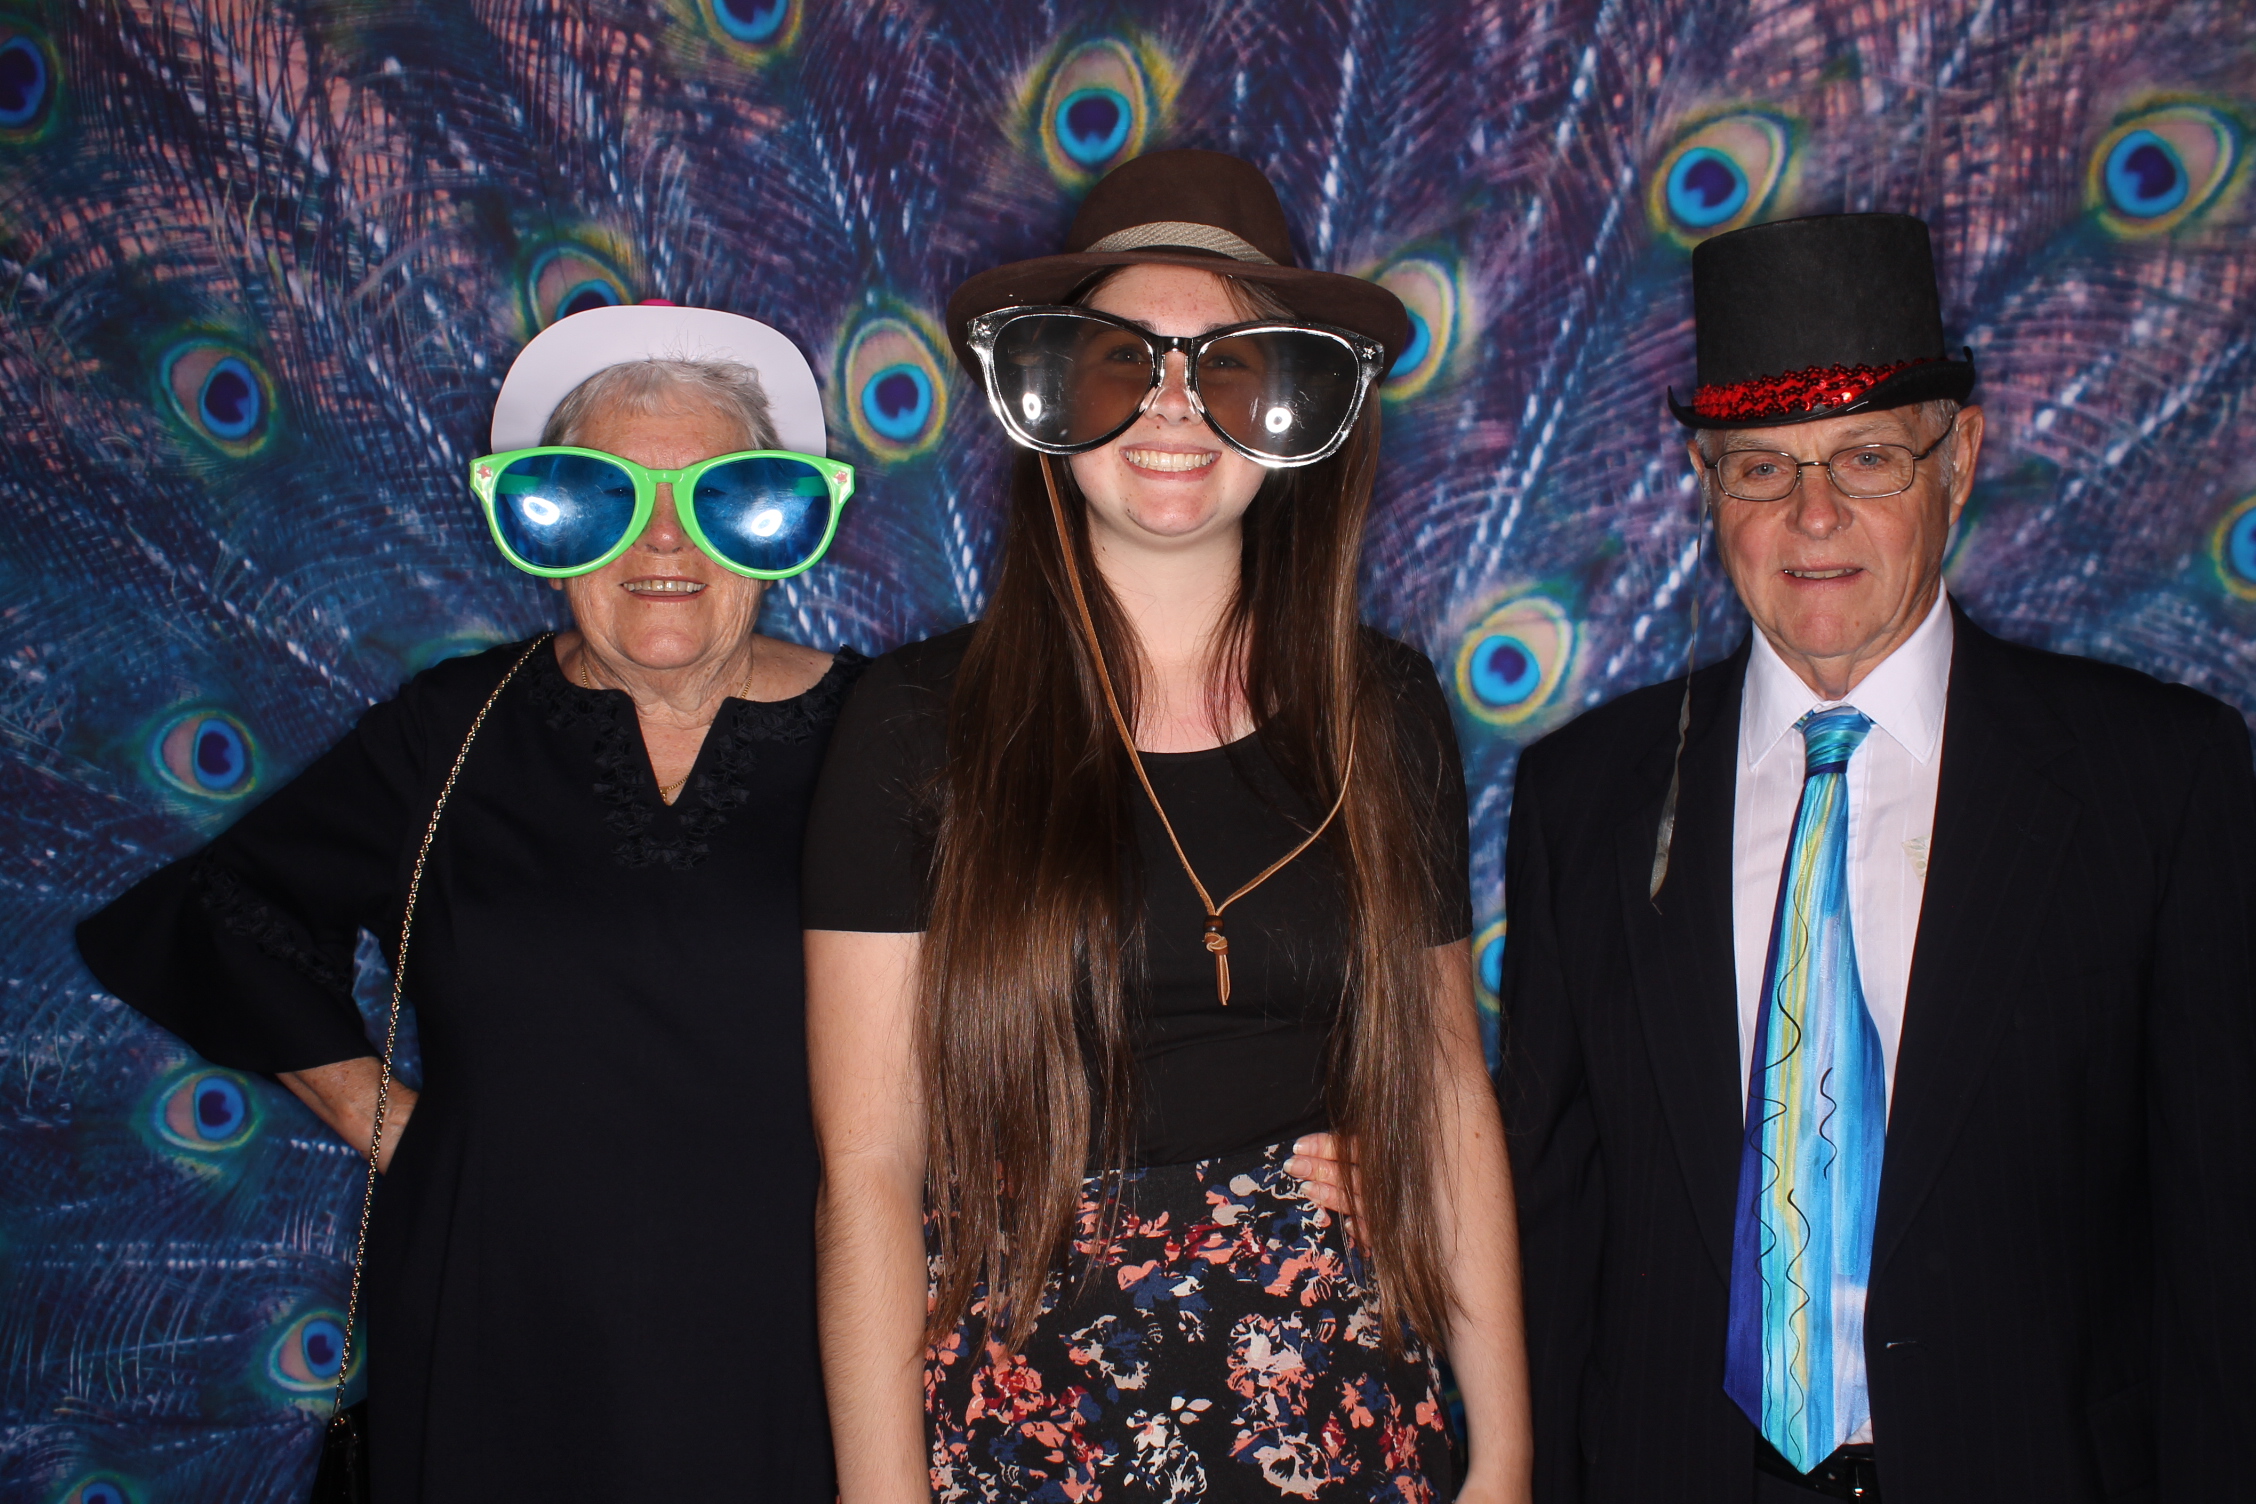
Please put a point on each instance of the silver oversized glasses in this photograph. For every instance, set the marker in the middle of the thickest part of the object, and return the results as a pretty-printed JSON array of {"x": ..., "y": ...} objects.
[
  {"x": 1863, "y": 472},
  {"x": 1065, "y": 380}
]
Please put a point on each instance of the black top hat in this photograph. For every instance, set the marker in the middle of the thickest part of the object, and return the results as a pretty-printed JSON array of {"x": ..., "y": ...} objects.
[{"x": 1816, "y": 318}]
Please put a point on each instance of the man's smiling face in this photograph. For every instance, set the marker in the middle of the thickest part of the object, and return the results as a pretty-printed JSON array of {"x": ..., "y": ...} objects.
[{"x": 1834, "y": 582}]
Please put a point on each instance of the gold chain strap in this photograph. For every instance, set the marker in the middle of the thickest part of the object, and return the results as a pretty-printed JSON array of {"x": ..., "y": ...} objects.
[
  {"x": 391, "y": 1029},
  {"x": 1217, "y": 943}
]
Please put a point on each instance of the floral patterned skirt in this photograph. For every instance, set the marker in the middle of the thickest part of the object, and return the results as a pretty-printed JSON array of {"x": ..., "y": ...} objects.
[{"x": 1226, "y": 1349}]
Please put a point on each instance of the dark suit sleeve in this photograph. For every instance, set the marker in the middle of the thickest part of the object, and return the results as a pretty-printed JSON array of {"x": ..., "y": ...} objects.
[
  {"x": 2201, "y": 1051},
  {"x": 1558, "y": 1174}
]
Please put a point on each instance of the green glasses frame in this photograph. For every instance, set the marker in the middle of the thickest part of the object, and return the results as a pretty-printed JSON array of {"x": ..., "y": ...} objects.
[{"x": 485, "y": 474}]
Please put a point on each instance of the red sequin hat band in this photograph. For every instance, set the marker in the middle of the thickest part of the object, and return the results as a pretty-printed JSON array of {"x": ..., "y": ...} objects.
[{"x": 1813, "y": 389}]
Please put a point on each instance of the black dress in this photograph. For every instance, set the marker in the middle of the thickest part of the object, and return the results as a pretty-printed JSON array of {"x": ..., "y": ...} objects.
[{"x": 591, "y": 1266}]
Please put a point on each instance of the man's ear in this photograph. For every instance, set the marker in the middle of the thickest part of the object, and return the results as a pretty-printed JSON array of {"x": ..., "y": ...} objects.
[
  {"x": 1967, "y": 451},
  {"x": 1700, "y": 469}
]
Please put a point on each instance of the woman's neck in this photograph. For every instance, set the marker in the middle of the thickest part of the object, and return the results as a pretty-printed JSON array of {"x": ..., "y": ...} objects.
[
  {"x": 1176, "y": 599},
  {"x": 685, "y": 698}
]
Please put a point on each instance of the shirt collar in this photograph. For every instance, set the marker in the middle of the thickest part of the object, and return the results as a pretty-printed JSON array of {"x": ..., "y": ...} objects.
[{"x": 1904, "y": 695}]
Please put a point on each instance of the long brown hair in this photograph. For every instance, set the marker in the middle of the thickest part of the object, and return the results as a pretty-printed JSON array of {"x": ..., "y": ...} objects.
[{"x": 1030, "y": 953}]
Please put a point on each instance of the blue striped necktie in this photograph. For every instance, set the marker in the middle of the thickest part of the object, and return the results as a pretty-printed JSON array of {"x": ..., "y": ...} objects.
[{"x": 1817, "y": 1117}]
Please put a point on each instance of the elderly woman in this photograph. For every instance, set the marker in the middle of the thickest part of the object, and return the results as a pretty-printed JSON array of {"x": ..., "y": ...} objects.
[{"x": 590, "y": 1272}]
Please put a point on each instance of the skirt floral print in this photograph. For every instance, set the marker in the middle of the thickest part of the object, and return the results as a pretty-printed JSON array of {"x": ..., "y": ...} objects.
[{"x": 1226, "y": 1349}]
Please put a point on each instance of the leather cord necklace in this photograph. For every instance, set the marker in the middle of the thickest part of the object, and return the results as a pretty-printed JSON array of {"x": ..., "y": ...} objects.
[
  {"x": 1217, "y": 942},
  {"x": 665, "y": 790}
]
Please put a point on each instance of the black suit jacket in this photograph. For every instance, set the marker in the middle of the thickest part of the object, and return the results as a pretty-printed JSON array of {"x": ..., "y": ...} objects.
[{"x": 2063, "y": 1294}]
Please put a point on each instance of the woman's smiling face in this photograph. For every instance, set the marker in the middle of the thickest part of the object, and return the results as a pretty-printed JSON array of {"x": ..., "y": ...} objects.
[
  {"x": 1169, "y": 479},
  {"x": 663, "y": 604}
]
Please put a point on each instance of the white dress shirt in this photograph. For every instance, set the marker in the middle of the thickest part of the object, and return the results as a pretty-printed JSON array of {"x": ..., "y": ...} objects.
[{"x": 1891, "y": 783}]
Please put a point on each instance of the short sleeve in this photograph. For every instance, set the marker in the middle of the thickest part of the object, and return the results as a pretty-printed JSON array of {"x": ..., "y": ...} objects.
[
  {"x": 1429, "y": 744},
  {"x": 245, "y": 948},
  {"x": 870, "y": 830}
]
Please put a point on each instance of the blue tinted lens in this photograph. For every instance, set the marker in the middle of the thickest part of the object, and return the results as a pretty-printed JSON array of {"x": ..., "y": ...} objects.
[
  {"x": 767, "y": 514},
  {"x": 563, "y": 511}
]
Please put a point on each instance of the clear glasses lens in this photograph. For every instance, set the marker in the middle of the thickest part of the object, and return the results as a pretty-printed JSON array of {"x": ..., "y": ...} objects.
[
  {"x": 1282, "y": 393},
  {"x": 769, "y": 514},
  {"x": 1872, "y": 470},
  {"x": 563, "y": 511},
  {"x": 1868, "y": 471},
  {"x": 1066, "y": 379}
]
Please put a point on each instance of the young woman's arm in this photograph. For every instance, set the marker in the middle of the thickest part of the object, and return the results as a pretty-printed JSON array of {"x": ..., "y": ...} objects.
[
  {"x": 870, "y": 1278},
  {"x": 1487, "y": 1341}
]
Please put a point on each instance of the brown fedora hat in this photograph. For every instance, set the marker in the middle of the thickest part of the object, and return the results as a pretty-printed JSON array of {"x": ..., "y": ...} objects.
[{"x": 1202, "y": 209}]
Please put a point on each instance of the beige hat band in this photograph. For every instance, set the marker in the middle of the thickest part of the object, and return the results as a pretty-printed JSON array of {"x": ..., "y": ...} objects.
[{"x": 1176, "y": 232}]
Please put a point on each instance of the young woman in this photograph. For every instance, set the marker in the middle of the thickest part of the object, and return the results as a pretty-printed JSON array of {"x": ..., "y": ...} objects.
[{"x": 1119, "y": 892}]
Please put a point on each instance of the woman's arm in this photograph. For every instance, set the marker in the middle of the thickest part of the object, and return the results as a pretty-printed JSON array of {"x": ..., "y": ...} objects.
[
  {"x": 1487, "y": 1340},
  {"x": 343, "y": 1095},
  {"x": 869, "y": 1212}
]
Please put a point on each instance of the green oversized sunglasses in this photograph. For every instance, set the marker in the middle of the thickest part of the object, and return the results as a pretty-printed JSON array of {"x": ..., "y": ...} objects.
[{"x": 556, "y": 511}]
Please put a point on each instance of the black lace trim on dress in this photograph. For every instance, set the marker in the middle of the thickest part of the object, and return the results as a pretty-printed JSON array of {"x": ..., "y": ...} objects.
[
  {"x": 720, "y": 786},
  {"x": 241, "y": 911}
]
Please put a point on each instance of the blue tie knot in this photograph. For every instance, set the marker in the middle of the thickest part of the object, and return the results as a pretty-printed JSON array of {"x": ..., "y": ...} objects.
[{"x": 1830, "y": 738}]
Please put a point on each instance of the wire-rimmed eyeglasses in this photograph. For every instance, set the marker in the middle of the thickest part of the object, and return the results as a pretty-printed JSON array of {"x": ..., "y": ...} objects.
[{"x": 1863, "y": 472}]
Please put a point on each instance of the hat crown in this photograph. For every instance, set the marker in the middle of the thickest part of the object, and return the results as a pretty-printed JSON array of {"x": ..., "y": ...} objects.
[
  {"x": 1186, "y": 187},
  {"x": 1833, "y": 290}
]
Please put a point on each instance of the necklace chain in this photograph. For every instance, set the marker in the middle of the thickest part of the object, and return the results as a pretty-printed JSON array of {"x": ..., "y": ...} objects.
[
  {"x": 666, "y": 791},
  {"x": 1214, "y": 939}
]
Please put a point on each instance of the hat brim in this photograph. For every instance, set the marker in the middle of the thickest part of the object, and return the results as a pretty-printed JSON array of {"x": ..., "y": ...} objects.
[
  {"x": 1930, "y": 381},
  {"x": 574, "y": 348},
  {"x": 1320, "y": 297}
]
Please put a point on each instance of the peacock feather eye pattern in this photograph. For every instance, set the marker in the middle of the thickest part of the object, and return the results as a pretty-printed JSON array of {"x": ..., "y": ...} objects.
[
  {"x": 894, "y": 384},
  {"x": 220, "y": 392},
  {"x": 1721, "y": 174},
  {"x": 30, "y": 81},
  {"x": 206, "y": 1110},
  {"x": 306, "y": 1352},
  {"x": 1099, "y": 105},
  {"x": 2232, "y": 547},
  {"x": 1509, "y": 667},
  {"x": 205, "y": 752},
  {"x": 754, "y": 30},
  {"x": 763, "y": 25},
  {"x": 572, "y": 277},
  {"x": 106, "y": 1488},
  {"x": 2161, "y": 166},
  {"x": 1490, "y": 977},
  {"x": 1428, "y": 285}
]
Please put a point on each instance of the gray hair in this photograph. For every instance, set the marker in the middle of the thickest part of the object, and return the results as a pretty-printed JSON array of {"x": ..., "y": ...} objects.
[
  {"x": 1935, "y": 416},
  {"x": 667, "y": 386}
]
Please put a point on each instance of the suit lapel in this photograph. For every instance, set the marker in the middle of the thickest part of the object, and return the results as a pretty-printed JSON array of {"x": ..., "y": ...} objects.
[
  {"x": 2001, "y": 827},
  {"x": 1682, "y": 954}
]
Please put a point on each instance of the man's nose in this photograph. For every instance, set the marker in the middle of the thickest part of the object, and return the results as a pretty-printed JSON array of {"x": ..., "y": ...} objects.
[{"x": 1819, "y": 508}]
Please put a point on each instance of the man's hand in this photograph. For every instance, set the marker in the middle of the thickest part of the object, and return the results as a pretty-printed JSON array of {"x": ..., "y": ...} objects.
[{"x": 1323, "y": 1174}]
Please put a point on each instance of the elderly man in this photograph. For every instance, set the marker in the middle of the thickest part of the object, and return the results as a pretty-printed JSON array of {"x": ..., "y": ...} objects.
[{"x": 1880, "y": 1061}]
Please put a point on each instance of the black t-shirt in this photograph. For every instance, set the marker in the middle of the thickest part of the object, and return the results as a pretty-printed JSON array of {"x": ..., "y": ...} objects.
[{"x": 1214, "y": 1080}]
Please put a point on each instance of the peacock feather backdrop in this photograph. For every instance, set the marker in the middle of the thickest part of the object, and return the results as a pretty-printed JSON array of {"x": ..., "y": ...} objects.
[{"x": 263, "y": 263}]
